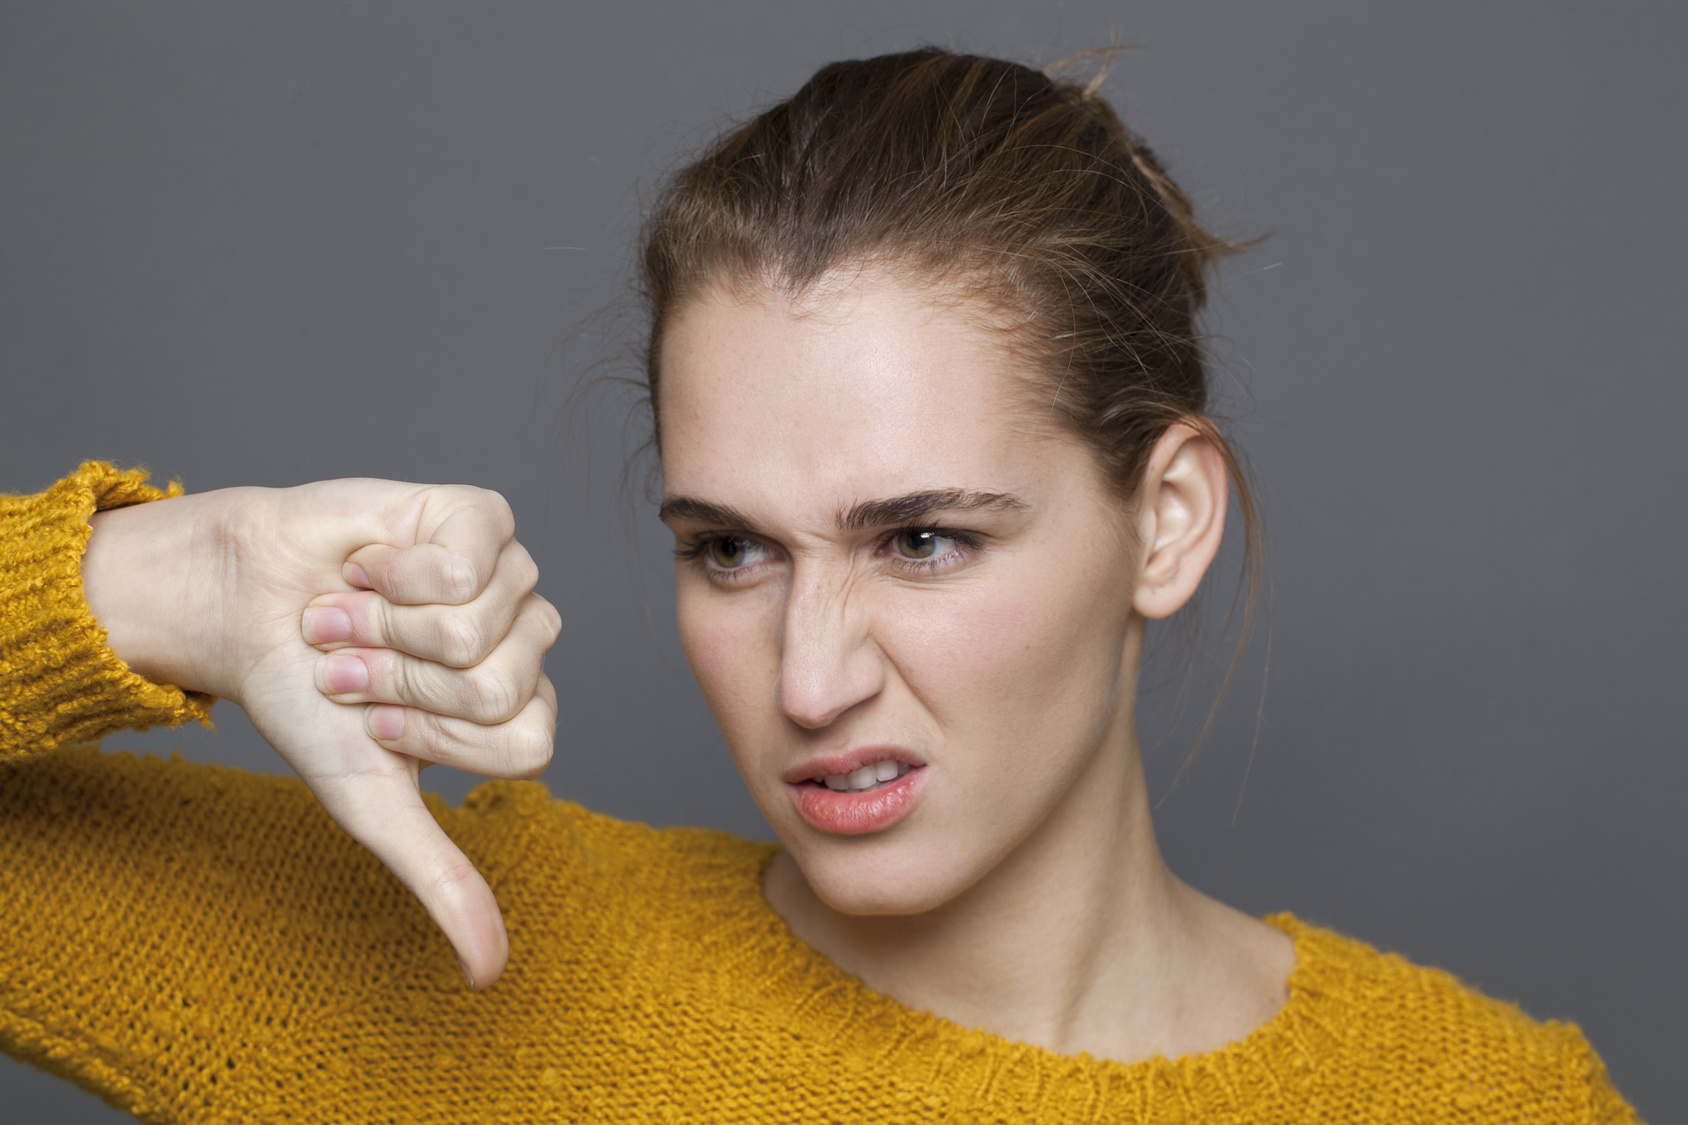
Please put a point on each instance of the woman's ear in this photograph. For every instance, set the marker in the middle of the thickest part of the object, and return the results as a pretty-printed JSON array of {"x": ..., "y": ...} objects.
[{"x": 1180, "y": 519}]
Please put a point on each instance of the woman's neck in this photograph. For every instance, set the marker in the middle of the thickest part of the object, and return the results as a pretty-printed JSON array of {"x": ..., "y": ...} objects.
[{"x": 1080, "y": 940}]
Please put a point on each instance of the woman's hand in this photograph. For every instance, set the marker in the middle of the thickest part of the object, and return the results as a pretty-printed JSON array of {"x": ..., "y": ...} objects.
[{"x": 367, "y": 627}]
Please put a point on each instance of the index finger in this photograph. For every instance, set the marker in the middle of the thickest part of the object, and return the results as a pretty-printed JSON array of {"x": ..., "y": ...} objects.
[{"x": 459, "y": 534}]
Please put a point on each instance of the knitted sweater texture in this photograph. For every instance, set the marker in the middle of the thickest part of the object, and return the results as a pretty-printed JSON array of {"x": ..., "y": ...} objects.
[
  {"x": 61, "y": 685},
  {"x": 199, "y": 944}
]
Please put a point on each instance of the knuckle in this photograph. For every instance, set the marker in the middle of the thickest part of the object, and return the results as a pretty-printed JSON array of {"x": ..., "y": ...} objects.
[
  {"x": 492, "y": 504},
  {"x": 432, "y": 734},
  {"x": 380, "y": 624},
  {"x": 462, "y": 640},
  {"x": 499, "y": 508},
  {"x": 388, "y": 574},
  {"x": 458, "y": 580},
  {"x": 552, "y": 621},
  {"x": 528, "y": 749},
  {"x": 401, "y": 683},
  {"x": 527, "y": 571},
  {"x": 492, "y": 699}
]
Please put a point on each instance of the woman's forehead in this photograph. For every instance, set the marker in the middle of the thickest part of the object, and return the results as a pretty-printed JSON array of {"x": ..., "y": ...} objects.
[
  {"x": 844, "y": 334},
  {"x": 875, "y": 387}
]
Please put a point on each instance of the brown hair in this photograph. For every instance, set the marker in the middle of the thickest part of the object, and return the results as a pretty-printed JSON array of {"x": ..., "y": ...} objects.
[{"x": 1020, "y": 188}]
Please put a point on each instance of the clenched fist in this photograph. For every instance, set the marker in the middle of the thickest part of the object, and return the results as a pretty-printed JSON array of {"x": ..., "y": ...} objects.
[{"x": 366, "y": 627}]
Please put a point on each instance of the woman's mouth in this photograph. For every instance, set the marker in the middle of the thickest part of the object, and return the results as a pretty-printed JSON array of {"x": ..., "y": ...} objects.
[
  {"x": 868, "y": 798},
  {"x": 865, "y": 779}
]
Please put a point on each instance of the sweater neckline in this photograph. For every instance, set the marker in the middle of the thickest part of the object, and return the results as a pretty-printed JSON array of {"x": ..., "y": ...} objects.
[{"x": 816, "y": 998}]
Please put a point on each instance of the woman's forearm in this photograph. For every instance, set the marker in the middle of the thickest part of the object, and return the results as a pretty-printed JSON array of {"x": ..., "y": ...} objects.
[{"x": 154, "y": 576}]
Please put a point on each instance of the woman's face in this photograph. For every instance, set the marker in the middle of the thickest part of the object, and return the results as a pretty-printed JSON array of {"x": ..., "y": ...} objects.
[{"x": 905, "y": 591}]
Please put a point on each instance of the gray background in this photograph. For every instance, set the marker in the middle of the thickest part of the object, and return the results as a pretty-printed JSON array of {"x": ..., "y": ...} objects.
[{"x": 267, "y": 244}]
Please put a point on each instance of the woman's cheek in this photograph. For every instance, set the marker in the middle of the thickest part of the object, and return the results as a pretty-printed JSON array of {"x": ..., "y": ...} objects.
[
  {"x": 731, "y": 652},
  {"x": 961, "y": 655},
  {"x": 1009, "y": 664}
]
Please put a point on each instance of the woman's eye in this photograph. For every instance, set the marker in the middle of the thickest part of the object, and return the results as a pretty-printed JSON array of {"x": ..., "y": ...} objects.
[
  {"x": 912, "y": 544},
  {"x": 731, "y": 553}
]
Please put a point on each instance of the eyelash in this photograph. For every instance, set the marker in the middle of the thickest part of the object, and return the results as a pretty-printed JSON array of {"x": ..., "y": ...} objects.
[{"x": 693, "y": 551}]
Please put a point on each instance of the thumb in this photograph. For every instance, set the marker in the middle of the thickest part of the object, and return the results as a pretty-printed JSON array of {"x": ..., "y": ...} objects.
[{"x": 384, "y": 812}]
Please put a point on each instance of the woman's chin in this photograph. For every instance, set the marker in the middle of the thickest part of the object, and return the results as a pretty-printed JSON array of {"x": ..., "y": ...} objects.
[{"x": 886, "y": 878}]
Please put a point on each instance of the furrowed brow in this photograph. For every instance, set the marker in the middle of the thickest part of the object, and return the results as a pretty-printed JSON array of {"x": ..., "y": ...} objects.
[
  {"x": 915, "y": 506},
  {"x": 701, "y": 511}
]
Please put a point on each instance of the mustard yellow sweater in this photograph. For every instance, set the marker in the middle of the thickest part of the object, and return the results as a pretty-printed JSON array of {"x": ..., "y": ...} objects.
[{"x": 201, "y": 944}]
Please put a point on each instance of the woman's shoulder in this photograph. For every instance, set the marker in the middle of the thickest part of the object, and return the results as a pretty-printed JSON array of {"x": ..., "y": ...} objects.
[
  {"x": 1371, "y": 986},
  {"x": 665, "y": 864},
  {"x": 1430, "y": 1036}
]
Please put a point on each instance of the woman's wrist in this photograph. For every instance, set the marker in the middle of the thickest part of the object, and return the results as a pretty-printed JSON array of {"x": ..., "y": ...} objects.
[{"x": 154, "y": 576}]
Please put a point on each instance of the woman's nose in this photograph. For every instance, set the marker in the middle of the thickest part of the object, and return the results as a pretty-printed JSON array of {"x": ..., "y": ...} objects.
[{"x": 828, "y": 661}]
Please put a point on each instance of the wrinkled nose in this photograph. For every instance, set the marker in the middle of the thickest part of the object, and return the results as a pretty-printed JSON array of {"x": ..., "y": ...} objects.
[{"x": 828, "y": 662}]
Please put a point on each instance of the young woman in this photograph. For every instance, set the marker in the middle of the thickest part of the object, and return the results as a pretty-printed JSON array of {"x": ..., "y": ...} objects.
[{"x": 929, "y": 399}]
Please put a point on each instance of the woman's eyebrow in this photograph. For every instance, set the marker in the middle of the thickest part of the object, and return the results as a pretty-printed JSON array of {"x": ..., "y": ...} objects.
[
  {"x": 702, "y": 511},
  {"x": 914, "y": 506},
  {"x": 907, "y": 508}
]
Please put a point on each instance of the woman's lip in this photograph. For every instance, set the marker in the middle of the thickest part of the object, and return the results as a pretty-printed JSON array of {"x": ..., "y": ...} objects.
[
  {"x": 847, "y": 812},
  {"x": 839, "y": 765}
]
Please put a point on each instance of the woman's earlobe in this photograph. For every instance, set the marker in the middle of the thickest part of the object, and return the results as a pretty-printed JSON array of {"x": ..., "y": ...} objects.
[{"x": 1184, "y": 492}]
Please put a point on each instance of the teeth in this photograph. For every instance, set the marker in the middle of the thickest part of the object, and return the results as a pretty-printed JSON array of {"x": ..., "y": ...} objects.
[{"x": 868, "y": 777}]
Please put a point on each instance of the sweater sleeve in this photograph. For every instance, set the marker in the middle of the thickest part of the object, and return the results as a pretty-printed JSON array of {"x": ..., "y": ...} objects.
[
  {"x": 59, "y": 683},
  {"x": 180, "y": 938}
]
